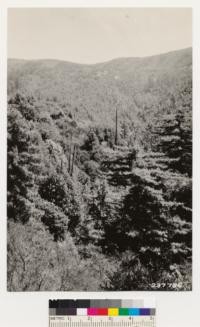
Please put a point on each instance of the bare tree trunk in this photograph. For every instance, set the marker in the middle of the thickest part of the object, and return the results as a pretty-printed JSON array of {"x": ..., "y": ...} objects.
[
  {"x": 116, "y": 128},
  {"x": 73, "y": 158},
  {"x": 70, "y": 155}
]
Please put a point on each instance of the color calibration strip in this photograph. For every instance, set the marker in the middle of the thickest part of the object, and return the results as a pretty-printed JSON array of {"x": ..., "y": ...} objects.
[
  {"x": 137, "y": 307},
  {"x": 102, "y": 313}
]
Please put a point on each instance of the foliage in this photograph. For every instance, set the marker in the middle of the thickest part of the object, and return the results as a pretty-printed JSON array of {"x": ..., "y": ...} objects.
[{"x": 100, "y": 174}]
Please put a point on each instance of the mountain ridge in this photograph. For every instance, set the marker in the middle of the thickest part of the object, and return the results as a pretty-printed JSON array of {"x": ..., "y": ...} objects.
[
  {"x": 188, "y": 49},
  {"x": 136, "y": 86}
]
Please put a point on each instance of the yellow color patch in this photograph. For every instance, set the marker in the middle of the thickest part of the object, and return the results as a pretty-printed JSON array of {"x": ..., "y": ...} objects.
[{"x": 113, "y": 311}]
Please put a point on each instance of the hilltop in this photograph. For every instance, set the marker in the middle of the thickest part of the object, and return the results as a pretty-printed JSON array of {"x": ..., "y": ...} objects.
[{"x": 134, "y": 85}]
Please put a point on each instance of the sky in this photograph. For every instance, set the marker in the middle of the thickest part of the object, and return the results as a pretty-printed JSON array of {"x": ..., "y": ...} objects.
[{"x": 86, "y": 35}]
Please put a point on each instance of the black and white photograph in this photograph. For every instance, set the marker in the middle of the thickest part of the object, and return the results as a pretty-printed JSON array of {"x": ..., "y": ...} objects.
[{"x": 99, "y": 149}]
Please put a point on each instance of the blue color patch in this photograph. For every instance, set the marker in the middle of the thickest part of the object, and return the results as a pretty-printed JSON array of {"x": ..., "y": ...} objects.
[
  {"x": 145, "y": 312},
  {"x": 134, "y": 312}
]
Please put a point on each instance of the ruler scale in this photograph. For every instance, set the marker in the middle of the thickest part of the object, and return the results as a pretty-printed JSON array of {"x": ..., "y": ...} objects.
[
  {"x": 102, "y": 322},
  {"x": 102, "y": 313}
]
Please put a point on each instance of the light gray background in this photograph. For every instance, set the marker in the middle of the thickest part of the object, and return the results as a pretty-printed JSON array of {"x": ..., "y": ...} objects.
[{"x": 31, "y": 309}]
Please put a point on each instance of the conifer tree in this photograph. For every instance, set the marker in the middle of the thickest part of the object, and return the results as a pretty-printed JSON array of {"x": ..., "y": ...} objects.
[{"x": 24, "y": 161}]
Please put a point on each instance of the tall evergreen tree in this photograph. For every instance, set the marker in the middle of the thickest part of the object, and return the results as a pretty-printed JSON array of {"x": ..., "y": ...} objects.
[{"x": 24, "y": 162}]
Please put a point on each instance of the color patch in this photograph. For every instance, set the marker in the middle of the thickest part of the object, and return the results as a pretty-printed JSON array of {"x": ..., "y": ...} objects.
[
  {"x": 102, "y": 312},
  {"x": 83, "y": 304},
  {"x": 123, "y": 312},
  {"x": 52, "y": 311},
  {"x": 81, "y": 312},
  {"x": 145, "y": 312},
  {"x": 153, "y": 312},
  {"x": 127, "y": 304},
  {"x": 113, "y": 311},
  {"x": 134, "y": 312},
  {"x": 114, "y": 304},
  {"x": 92, "y": 312},
  {"x": 138, "y": 303},
  {"x": 66, "y": 311},
  {"x": 99, "y": 304}
]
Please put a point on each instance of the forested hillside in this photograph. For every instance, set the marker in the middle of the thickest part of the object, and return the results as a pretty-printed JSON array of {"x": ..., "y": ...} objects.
[{"x": 100, "y": 174}]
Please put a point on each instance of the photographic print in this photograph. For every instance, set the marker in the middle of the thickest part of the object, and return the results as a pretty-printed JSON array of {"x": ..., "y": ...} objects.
[{"x": 99, "y": 149}]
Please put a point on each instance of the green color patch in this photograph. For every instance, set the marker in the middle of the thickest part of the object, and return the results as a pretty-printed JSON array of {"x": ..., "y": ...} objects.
[{"x": 123, "y": 312}]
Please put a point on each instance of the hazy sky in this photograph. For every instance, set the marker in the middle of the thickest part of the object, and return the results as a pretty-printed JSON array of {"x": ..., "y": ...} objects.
[{"x": 96, "y": 35}]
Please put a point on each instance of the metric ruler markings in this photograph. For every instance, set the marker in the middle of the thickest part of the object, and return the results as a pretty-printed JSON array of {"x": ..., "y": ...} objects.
[{"x": 102, "y": 322}]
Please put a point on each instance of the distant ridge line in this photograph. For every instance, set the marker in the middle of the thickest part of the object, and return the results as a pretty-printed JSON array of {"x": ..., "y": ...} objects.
[{"x": 99, "y": 63}]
